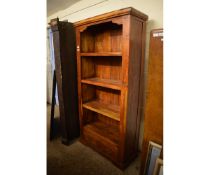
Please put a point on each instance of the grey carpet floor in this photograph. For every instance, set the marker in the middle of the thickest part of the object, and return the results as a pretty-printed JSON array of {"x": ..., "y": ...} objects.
[{"x": 78, "y": 159}]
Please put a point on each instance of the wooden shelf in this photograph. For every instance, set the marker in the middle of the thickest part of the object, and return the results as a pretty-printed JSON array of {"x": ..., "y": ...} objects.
[
  {"x": 112, "y": 84},
  {"x": 109, "y": 133},
  {"x": 101, "y": 54},
  {"x": 111, "y": 111}
]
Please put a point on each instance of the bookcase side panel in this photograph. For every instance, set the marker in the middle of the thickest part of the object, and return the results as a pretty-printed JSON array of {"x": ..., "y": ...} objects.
[
  {"x": 123, "y": 98},
  {"x": 134, "y": 83}
]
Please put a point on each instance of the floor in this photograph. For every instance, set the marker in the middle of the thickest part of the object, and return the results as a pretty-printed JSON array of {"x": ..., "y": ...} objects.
[{"x": 77, "y": 159}]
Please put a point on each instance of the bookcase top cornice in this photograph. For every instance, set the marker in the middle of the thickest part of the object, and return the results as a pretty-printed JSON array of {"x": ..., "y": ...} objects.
[{"x": 116, "y": 13}]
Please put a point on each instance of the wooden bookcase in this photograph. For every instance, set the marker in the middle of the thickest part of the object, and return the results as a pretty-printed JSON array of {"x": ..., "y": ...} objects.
[{"x": 110, "y": 60}]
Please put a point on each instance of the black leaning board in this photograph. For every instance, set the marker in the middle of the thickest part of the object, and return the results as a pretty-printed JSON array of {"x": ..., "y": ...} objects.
[{"x": 66, "y": 78}]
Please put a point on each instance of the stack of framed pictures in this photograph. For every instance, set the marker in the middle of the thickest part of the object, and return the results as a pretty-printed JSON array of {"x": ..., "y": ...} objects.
[
  {"x": 158, "y": 170},
  {"x": 154, "y": 165}
]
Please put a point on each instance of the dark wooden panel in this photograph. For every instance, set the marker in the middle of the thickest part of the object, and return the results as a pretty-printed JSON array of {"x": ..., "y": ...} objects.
[
  {"x": 105, "y": 95},
  {"x": 108, "y": 96},
  {"x": 134, "y": 83},
  {"x": 103, "y": 137},
  {"x": 102, "y": 38},
  {"x": 110, "y": 133},
  {"x": 153, "y": 116},
  {"x": 65, "y": 65},
  {"x": 109, "y": 68}
]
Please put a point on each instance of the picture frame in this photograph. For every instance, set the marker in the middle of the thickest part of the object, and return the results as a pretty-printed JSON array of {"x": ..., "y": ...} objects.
[
  {"x": 158, "y": 170},
  {"x": 154, "y": 151}
]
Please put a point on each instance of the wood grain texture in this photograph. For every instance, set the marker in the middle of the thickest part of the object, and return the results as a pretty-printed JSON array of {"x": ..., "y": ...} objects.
[
  {"x": 124, "y": 90},
  {"x": 105, "y": 38},
  {"x": 109, "y": 132},
  {"x": 153, "y": 116},
  {"x": 102, "y": 138},
  {"x": 105, "y": 95},
  {"x": 111, "y": 111},
  {"x": 109, "y": 68},
  {"x": 112, "y": 84},
  {"x": 110, "y": 54},
  {"x": 101, "y": 53},
  {"x": 134, "y": 83}
]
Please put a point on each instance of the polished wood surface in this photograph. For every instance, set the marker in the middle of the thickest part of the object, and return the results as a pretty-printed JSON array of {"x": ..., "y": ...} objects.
[
  {"x": 153, "y": 116},
  {"x": 113, "y": 84},
  {"x": 108, "y": 110},
  {"x": 134, "y": 83},
  {"x": 101, "y": 54},
  {"x": 109, "y": 65}
]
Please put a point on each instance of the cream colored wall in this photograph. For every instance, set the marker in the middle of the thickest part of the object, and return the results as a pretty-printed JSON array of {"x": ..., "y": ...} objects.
[{"x": 89, "y": 8}]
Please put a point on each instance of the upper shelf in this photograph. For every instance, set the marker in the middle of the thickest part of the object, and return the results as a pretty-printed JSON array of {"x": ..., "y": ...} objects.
[
  {"x": 101, "y": 54},
  {"x": 112, "y": 84}
]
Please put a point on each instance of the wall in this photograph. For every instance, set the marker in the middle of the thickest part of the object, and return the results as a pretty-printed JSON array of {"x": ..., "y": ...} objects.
[
  {"x": 49, "y": 73},
  {"x": 89, "y": 8}
]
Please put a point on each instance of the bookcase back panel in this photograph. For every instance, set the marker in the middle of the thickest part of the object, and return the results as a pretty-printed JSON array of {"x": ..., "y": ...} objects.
[
  {"x": 108, "y": 96},
  {"x": 106, "y": 127},
  {"x": 88, "y": 93},
  {"x": 88, "y": 67},
  {"x": 103, "y": 95},
  {"x": 88, "y": 116},
  {"x": 108, "y": 121},
  {"x": 91, "y": 117},
  {"x": 105, "y": 37},
  {"x": 102, "y": 67}
]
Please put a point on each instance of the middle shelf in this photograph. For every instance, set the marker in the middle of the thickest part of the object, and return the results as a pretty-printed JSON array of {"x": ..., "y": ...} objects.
[
  {"x": 100, "y": 54},
  {"x": 109, "y": 110},
  {"x": 108, "y": 83},
  {"x": 102, "y": 71}
]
